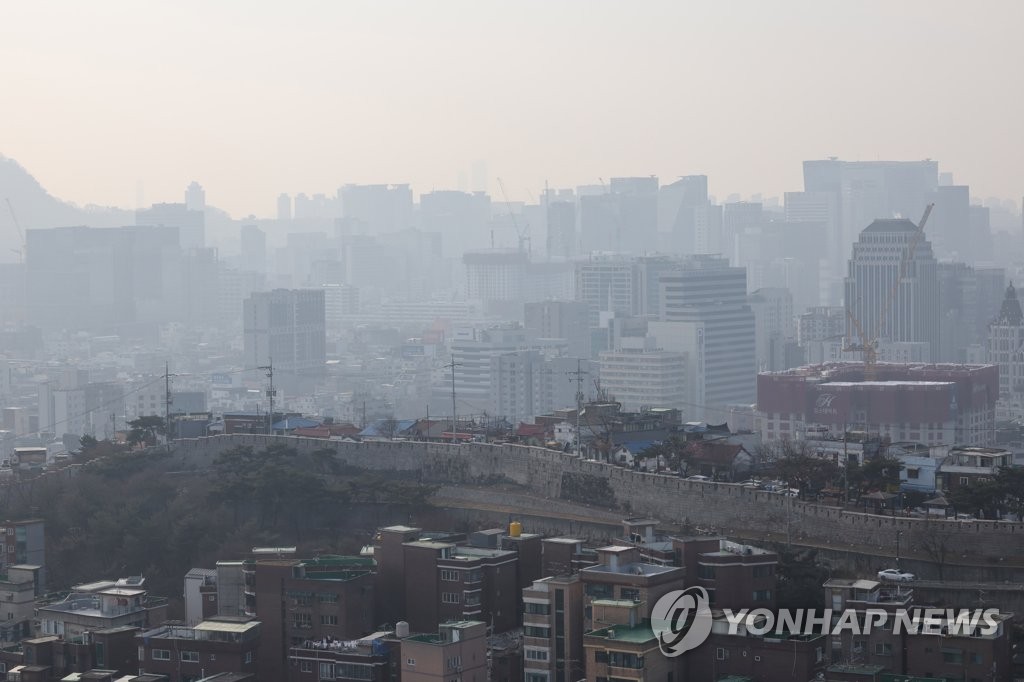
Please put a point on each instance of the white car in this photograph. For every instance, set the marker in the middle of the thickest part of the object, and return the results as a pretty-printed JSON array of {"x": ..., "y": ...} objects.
[
  {"x": 895, "y": 575},
  {"x": 697, "y": 477}
]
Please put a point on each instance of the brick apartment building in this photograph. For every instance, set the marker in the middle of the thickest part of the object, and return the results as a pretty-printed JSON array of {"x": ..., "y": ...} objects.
[
  {"x": 186, "y": 654},
  {"x": 373, "y": 658},
  {"x": 457, "y": 652},
  {"x": 553, "y": 629},
  {"x": 300, "y": 600},
  {"x": 428, "y": 579}
]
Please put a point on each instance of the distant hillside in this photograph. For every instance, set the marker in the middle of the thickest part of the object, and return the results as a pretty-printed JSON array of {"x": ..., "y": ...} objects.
[{"x": 37, "y": 208}]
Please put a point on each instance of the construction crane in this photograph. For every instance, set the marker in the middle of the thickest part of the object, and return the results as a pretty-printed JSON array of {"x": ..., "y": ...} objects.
[
  {"x": 21, "y": 235},
  {"x": 523, "y": 233},
  {"x": 868, "y": 347}
]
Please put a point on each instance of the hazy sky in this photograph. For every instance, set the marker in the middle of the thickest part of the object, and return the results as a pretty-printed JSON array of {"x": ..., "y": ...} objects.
[{"x": 256, "y": 98}]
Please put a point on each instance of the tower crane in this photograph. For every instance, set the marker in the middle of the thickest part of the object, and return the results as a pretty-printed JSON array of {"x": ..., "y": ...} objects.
[
  {"x": 21, "y": 234},
  {"x": 523, "y": 233},
  {"x": 868, "y": 347}
]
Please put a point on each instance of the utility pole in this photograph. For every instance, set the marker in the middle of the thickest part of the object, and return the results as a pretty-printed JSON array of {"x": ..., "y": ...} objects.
[
  {"x": 452, "y": 365},
  {"x": 269, "y": 368},
  {"x": 578, "y": 378},
  {"x": 167, "y": 405}
]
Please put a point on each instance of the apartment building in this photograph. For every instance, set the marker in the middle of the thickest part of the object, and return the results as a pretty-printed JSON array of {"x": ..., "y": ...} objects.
[
  {"x": 553, "y": 629},
  {"x": 310, "y": 599},
  {"x": 458, "y": 651},
  {"x": 183, "y": 653},
  {"x": 373, "y": 658},
  {"x": 101, "y": 605}
]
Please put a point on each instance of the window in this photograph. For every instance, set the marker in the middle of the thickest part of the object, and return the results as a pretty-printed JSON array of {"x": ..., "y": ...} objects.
[
  {"x": 721, "y": 654},
  {"x": 455, "y": 662},
  {"x": 213, "y": 657},
  {"x": 764, "y": 571},
  {"x": 762, "y": 595},
  {"x": 248, "y": 657},
  {"x": 629, "y": 593},
  {"x": 449, "y": 575},
  {"x": 705, "y": 572},
  {"x": 976, "y": 658},
  {"x": 536, "y": 631},
  {"x": 955, "y": 656},
  {"x": 622, "y": 659},
  {"x": 327, "y": 598},
  {"x": 913, "y": 473},
  {"x": 450, "y": 598},
  {"x": 142, "y": 654},
  {"x": 326, "y": 671},
  {"x": 536, "y": 655},
  {"x": 302, "y": 621},
  {"x": 473, "y": 599},
  {"x": 306, "y": 666},
  {"x": 328, "y": 620},
  {"x": 190, "y": 656},
  {"x": 161, "y": 655},
  {"x": 883, "y": 649},
  {"x": 540, "y": 609},
  {"x": 536, "y": 677},
  {"x": 964, "y": 480},
  {"x": 601, "y": 656},
  {"x": 411, "y": 661}
]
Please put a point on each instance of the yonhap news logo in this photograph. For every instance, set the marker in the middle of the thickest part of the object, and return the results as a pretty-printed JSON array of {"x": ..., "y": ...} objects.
[{"x": 681, "y": 620}]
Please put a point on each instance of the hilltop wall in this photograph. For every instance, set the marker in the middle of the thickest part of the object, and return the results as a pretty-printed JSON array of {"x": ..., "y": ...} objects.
[{"x": 728, "y": 509}]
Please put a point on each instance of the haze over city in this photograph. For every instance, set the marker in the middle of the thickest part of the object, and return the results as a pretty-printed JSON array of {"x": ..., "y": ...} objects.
[
  {"x": 520, "y": 342},
  {"x": 257, "y": 98}
]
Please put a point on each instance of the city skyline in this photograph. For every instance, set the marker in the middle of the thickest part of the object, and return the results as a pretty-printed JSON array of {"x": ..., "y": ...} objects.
[{"x": 257, "y": 103}]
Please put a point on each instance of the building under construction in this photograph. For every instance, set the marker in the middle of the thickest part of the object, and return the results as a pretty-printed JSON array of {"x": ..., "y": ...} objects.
[{"x": 934, "y": 404}]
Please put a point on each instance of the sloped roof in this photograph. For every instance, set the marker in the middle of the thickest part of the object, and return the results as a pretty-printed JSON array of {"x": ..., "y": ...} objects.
[
  {"x": 891, "y": 225},
  {"x": 713, "y": 452},
  {"x": 1010, "y": 313},
  {"x": 381, "y": 429},
  {"x": 289, "y": 423}
]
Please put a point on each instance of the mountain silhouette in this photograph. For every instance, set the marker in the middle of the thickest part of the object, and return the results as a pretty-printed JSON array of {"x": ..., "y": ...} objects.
[{"x": 37, "y": 208}]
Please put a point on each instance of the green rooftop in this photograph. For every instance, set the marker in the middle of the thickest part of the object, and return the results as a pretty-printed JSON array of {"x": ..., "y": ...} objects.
[{"x": 637, "y": 634}]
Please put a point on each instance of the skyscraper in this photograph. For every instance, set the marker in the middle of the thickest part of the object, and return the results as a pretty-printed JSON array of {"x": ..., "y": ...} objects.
[
  {"x": 1006, "y": 350},
  {"x": 286, "y": 326},
  {"x": 892, "y": 288},
  {"x": 705, "y": 314}
]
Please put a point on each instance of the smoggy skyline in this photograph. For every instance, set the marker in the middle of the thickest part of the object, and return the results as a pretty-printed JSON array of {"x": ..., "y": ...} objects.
[{"x": 252, "y": 99}]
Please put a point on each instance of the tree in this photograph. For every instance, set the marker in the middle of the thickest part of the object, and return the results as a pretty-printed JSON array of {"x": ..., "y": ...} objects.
[
  {"x": 88, "y": 442},
  {"x": 794, "y": 463},
  {"x": 145, "y": 430},
  {"x": 388, "y": 427},
  {"x": 878, "y": 473}
]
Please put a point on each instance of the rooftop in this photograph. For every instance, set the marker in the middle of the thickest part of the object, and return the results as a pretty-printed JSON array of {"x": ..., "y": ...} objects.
[
  {"x": 636, "y": 634},
  {"x": 634, "y": 568}
]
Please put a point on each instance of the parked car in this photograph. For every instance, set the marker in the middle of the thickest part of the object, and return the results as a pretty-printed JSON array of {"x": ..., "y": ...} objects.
[
  {"x": 895, "y": 575},
  {"x": 697, "y": 477}
]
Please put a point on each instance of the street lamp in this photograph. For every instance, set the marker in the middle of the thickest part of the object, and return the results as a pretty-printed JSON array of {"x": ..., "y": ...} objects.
[{"x": 899, "y": 534}]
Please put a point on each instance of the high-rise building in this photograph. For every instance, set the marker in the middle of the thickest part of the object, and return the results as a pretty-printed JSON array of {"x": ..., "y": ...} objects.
[
  {"x": 473, "y": 351},
  {"x": 821, "y": 209},
  {"x": 891, "y": 292},
  {"x": 460, "y": 218},
  {"x": 608, "y": 284},
  {"x": 705, "y": 314},
  {"x": 191, "y": 223},
  {"x": 774, "y": 326},
  {"x": 81, "y": 278},
  {"x": 195, "y": 197},
  {"x": 623, "y": 219},
  {"x": 286, "y": 328},
  {"x": 567, "y": 320},
  {"x": 254, "y": 249},
  {"x": 377, "y": 209},
  {"x": 284, "y": 207},
  {"x": 1006, "y": 350},
  {"x": 561, "y": 220},
  {"x": 739, "y": 218},
  {"x": 681, "y": 205},
  {"x": 865, "y": 190},
  {"x": 640, "y": 376},
  {"x": 949, "y": 226}
]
